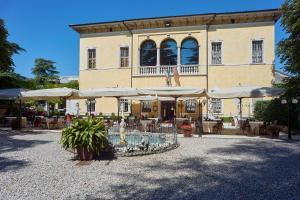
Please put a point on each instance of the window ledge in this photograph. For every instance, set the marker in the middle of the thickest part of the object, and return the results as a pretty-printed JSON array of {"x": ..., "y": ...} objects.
[
  {"x": 257, "y": 63},
  {"x": 216, "y": 65}
]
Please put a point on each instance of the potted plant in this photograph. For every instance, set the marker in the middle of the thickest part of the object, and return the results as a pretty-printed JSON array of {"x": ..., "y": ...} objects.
[
  {"x": 87, "y": 136},
  {"x": 187, "y": 129}
]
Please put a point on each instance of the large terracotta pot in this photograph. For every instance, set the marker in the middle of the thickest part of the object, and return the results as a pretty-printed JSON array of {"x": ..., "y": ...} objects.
[
  {"x": 187, "y": 130},
  {"x": 84, "y": 154}
]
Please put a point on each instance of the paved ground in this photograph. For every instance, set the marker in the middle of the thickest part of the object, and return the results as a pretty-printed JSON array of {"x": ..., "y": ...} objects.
[{"x": 33, "y": 166}]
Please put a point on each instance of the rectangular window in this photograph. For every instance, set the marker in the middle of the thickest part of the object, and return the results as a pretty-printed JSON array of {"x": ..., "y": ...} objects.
[
  {"x": 146, "y": 106},
  {"x": 91, "y": 58},
  {"x": 91, "y": 106},
  {"x": 257, "y": 51},
  {"x": 216, "y": 106},
  {"x": 124, "y": 105},
  {"x": 190, "y": 106},
  {"x": 124, "y": 56},
  {"x": 216, "y": 53}
]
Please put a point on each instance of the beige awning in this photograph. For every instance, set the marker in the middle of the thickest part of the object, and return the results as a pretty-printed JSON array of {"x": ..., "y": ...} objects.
[
  {"x": 154, "y": 98},
  {"x": 51, "y": 93},
  {"x": 11, "y": 93},
  {"x": 245, "y": 92},
  {"x": 108, "y": 92},
  {"x": 173, "y": 91}
]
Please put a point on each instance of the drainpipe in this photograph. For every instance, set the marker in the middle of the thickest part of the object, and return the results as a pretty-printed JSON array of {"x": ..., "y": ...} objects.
[
  {"x": 131, "y": 52},
  {"x": 207, "y": 27},
  {"x": 131, "y": 59}
]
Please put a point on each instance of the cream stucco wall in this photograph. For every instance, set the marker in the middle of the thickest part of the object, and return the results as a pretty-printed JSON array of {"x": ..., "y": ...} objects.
[{"x": 236, "y": 68}]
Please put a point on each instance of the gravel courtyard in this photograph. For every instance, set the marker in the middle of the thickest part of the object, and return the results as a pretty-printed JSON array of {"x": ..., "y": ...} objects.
[{"x": 33, "y": 166}]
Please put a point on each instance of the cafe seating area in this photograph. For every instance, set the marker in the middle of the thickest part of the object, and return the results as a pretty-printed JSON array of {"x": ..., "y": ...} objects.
[{"x": 40, "y": 122}]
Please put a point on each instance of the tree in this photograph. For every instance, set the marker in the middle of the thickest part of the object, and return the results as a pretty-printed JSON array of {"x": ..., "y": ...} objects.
[
  {"x": 289, "y": 48},
  {"x": 7, "y": 50},
  {"x": 45, "y": 72},
  {"x": 14, "y": 80}
]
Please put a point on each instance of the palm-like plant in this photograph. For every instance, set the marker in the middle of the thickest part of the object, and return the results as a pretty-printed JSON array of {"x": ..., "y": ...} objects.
[{"x": 87, "y": 136}]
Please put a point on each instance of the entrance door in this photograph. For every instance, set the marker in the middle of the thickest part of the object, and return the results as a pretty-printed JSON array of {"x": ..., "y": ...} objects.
[{"x": 167, "y": 110}]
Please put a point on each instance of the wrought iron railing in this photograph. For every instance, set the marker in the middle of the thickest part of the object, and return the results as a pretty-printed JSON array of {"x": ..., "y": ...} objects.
[{"x": 158, "y": 136}]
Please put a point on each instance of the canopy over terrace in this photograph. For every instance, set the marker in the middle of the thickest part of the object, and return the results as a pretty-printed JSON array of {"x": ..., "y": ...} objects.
[
  {"x": 11, "y": 93},
  {"x": 159, "y": 98},
  {"x": 48, "y": 94},
  {"x": 109, "y": 92},
  {"x": 244, "y": 92},
  {"x": 174, "y": 92}
]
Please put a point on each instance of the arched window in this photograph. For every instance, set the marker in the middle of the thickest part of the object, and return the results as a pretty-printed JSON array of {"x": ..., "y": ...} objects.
[
  {"x": 189, "y": 52},
  {"x": 148, "y": 53},
  {"x": 168, "y": 52}
]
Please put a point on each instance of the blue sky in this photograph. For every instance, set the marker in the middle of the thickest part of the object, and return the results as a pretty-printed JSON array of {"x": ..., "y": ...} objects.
[{"x": 41, "y": 27}]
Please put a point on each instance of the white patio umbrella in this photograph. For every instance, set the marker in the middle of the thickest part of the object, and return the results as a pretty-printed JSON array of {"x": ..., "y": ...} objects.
[
  {"x": 152, "y": 98},
  {"x": 245, "y": 92},
  {"x": 241, "y": 92},
  {"x": 11, "y": 93},
  {"x": 51, "y": 93},
  {"x": 109, "y": 92},
  {"x": 174, "y": 91},
  {"x": 149, "y": 98}
]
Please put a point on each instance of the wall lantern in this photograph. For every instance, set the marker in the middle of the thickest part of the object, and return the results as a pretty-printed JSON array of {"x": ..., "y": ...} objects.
[
  {"x": 167, "y": 24},
  {"x": 155, "y": 107},
  {"x": 283, "y": 101}
]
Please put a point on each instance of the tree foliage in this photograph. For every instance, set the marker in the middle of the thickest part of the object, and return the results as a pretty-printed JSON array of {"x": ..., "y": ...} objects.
[
  {"x": 7, "y": 50},
  {"x": 273, "y": 110},
  {"x": 289, "y": 48},
  {"x": 14, "y": 80},
  {"x": 72, "y": 84},
  {"x": 45, "y": 72}
]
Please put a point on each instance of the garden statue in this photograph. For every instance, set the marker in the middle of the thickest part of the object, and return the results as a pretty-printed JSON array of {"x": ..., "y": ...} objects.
[
  {"x": 122, "y": 127},
  {"x": 122, "y": 132},
  {"x": 176, "y": 77},
  {"x": 168, "y": 78}
]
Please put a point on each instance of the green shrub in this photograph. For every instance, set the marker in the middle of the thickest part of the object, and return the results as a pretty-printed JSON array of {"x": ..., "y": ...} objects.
[
  {"x": 227, "y": 119},
  {"x": 272, "y": 110},
  {"x": 87, "y": 134},
  {"x": 114, "y": 117},
  {"x": 260, "y": 108}
]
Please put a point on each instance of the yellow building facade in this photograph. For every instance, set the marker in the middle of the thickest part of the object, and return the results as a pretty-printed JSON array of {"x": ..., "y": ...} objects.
[{"x": 208, "y": 51}]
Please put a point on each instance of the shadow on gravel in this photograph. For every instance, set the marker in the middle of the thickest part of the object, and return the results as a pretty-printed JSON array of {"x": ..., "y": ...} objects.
[
  {"x": 7, "y": 164},
  {"x": 254, "y": 170},
  {"x": 24, "y": 132},
  {"x": 10, "y": 144}
]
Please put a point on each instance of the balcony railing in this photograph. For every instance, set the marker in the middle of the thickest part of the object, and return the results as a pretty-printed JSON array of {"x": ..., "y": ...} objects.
[{"x": 161, "y": 70}]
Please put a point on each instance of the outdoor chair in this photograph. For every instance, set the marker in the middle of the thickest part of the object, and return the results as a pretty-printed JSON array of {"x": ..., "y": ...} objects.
[
  {"x": 245, "y": 127},
  {"x": 43, "y": 123},
  {"x": 30, "y": 122},
  {"x": 52, "y": 123},
  {"x": 218, "y": 127}
]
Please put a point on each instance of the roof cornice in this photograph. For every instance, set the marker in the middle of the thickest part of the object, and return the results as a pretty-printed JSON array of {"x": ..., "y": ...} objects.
[{"x": 180, "y": 20}]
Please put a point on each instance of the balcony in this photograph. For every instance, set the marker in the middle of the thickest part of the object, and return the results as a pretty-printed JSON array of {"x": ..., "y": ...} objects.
[{"x": 161, "y": 70}]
